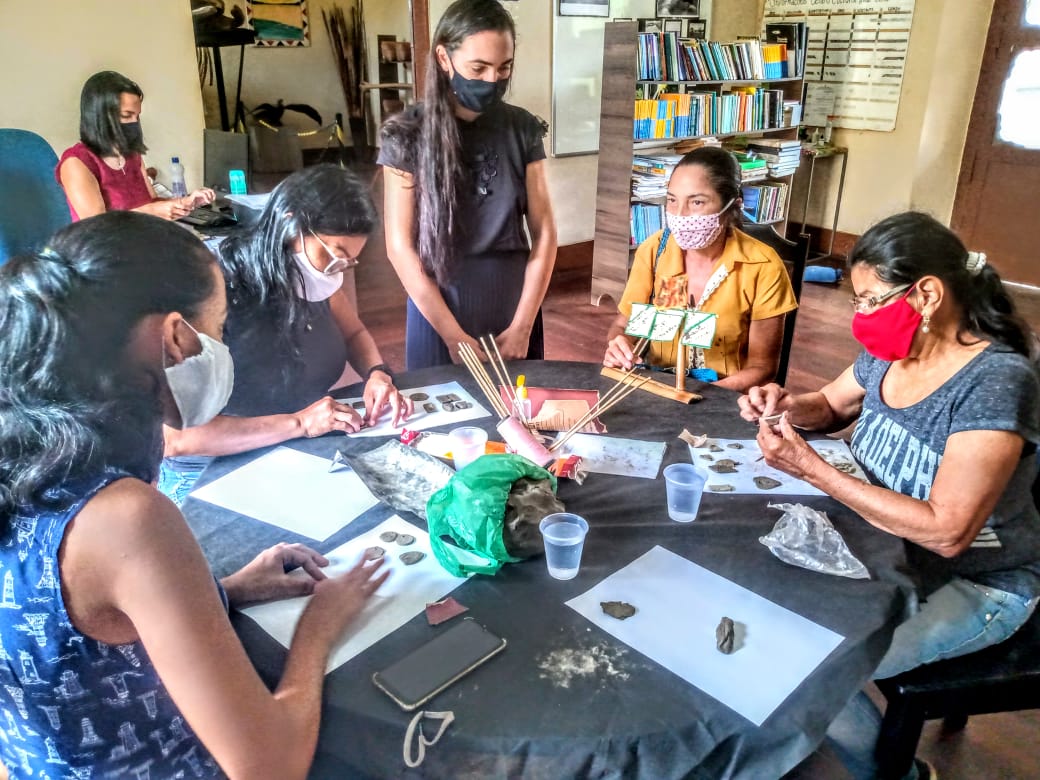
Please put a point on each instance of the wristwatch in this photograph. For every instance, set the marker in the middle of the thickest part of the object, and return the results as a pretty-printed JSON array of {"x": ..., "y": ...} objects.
[{"x": 380, "y": 367}]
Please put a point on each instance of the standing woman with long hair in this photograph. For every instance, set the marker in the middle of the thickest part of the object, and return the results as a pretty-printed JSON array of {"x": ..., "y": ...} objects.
[{"x": 463, "y": 171}]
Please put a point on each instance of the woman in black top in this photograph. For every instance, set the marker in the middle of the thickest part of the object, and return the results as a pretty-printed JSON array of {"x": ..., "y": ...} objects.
[
  {"x": 291, "y": 328},
  {"x": 463, "y": 172}
]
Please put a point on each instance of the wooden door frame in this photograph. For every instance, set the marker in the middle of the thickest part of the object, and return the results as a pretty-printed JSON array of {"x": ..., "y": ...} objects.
[
  {"x": 1001, "y": 43},
  {"x": 420, "y": 43}
]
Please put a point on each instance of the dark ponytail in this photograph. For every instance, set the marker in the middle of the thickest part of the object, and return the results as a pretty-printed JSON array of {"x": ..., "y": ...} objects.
[
  {"x": 903, "y": 248},
  {"x": 438, "y": 165},
  {"x": 70, "y": 401}
]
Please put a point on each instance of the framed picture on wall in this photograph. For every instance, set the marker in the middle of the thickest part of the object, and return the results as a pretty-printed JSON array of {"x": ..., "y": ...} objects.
[
  {"x": 279, "y": 22},
  {"x": 673, "y": 25},
  {"x": 666, "y": 8},
  {"x": 651, "y": 25},
  {"x": 584, "y": 7},
  {"x": 697, "y": 28}
]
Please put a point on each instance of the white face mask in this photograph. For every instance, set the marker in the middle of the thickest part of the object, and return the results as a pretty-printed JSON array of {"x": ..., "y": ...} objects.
[
  {"x": 317, "y": 286},
  {"x": 201, "y": 385},
  {"x": 696, "y": 231}
]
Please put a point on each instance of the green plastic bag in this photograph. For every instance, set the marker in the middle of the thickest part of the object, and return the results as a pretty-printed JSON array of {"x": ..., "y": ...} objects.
[{"x": 471, "y": 510}]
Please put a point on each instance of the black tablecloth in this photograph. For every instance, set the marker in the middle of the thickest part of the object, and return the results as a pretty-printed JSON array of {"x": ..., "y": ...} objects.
[{"x": 642, "y": 723}]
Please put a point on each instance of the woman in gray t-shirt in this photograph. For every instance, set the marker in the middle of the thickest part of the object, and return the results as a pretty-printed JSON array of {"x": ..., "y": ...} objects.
[{"x": 946, "y": 401}]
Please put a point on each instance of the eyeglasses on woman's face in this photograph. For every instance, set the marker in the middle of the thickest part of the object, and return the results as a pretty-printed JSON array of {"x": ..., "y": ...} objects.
[
  {"x": 865, "y": 304},
  {"x": 337, "y": 260}
]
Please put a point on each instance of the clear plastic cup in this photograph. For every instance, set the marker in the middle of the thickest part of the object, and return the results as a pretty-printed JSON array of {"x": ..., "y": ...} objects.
[
  {"x": 467, "y": 444},
  {"x": 564, "y": 537},
  {"x": 684, "y": 484}
]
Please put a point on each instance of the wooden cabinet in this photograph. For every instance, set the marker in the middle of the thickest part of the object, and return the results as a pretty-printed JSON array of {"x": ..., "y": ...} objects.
[{"x": 612, "y": 251}]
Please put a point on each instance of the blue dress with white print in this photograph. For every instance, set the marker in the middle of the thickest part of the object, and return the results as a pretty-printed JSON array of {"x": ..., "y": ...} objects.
[{"x": 72, "y": 707}]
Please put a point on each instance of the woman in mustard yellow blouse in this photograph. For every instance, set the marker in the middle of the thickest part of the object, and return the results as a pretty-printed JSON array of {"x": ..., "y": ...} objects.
[{"x": 709, "y": 265}]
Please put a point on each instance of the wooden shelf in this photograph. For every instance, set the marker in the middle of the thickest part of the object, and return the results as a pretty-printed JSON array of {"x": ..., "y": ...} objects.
[
  {"x": 365, "y": 85},
  {"x": 725, "y": 82},
  {"x": 656, "y": 143},
  {"x": 611, "y": 249}
]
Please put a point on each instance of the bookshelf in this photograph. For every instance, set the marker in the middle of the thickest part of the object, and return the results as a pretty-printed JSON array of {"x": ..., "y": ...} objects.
[{"x": 611, "y": 242}]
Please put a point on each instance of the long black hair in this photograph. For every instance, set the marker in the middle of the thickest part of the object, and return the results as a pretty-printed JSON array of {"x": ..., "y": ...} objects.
[
  {"x": 99, "y": 126},
  {"x": 258, "y": 263},
  {"x": 905, "y": 247},
  {"x": 437, "y": 163},
  {"x": 71, "y": 403},
  {"x": 723, "y": 172}
]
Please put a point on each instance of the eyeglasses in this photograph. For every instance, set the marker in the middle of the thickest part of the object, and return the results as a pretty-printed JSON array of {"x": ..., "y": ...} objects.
[
  {"x": 862, "y": 305},
  {"x": 338, "y": 263}
]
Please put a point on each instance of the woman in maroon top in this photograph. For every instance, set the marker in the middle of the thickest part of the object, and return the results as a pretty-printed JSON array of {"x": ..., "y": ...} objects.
[{"x": 105, "y": 170}]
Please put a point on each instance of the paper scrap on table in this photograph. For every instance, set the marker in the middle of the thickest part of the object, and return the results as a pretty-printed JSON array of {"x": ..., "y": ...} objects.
[
  {"x": 679, "y": 604},
  {"x": 611, "y": 455},
  {"x": 403, "y": 596},
  {"x": 746, "y": 456},
  {"x": 558, "y": 408},
  {"x": 421, "y": 419},
  {"x": 294, "y": 491}
]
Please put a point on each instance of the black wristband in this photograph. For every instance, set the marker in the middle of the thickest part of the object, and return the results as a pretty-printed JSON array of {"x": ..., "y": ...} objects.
[{"x": 380, "y": 367}]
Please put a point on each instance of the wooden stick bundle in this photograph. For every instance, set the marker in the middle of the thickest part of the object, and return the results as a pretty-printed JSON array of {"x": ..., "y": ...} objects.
[
  {"x": 483, "y": 379},
  {"x": 499, "y": 366}
]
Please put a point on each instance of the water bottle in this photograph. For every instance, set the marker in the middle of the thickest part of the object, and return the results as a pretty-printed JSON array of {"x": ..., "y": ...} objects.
[{"x": 177, "y": 178}]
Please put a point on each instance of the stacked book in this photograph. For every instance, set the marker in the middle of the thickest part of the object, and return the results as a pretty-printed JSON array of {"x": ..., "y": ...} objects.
[
  {"x": 751, "y": 167},
  {"x": 645, "y": 219},
  {"x": 650, "y": 174},
  {"x": 766, "y": 202},
  {"x": 780, "y": 156}
]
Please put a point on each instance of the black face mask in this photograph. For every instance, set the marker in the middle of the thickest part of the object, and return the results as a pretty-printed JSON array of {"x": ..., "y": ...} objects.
[
  {"x": 477, "y": 95},
  {"x": 132, "y": 134}
]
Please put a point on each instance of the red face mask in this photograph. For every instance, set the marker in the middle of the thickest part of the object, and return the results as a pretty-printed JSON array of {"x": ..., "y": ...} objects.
[{"x": 888, "y": 333}]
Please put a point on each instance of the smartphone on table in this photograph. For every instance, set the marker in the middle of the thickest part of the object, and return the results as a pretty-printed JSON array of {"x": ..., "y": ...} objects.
[{"x": 431, "y": 668}]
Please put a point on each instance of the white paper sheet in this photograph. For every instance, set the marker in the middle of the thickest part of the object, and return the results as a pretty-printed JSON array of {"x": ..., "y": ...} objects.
[
  {"x": 611, "y": 455},
  {"x": 834, "y": 451},
  {"x": 679, "y": 604},
  {"x": 294, "y": 491},
  {"x": 421, "y": 420},
  {"x": 403, "y": 596}
]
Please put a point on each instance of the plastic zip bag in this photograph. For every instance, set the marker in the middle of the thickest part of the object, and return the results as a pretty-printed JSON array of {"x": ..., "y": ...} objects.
[{"x": 804, "y": 537}]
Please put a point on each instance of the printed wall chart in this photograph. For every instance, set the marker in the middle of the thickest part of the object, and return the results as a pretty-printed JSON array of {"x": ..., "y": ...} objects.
[{"x": 854, "y": 59}]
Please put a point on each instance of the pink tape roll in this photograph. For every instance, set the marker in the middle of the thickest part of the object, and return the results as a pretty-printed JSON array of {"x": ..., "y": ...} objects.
[{"x": 523, "y": 443}]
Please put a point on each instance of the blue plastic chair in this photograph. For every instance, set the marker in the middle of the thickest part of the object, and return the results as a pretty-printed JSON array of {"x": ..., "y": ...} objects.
[{"x": 32, "y": 203}]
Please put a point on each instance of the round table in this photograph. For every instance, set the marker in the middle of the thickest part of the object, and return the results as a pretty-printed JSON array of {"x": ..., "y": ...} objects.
[{"x": 512, "y": 720}]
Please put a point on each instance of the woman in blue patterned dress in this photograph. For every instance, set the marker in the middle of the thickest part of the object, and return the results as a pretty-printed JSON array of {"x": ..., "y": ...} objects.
[{"x": 117, "y": 658}]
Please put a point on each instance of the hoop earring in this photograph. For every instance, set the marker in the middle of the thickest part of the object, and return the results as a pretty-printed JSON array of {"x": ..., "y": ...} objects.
[{"x": 924, "y": 325}]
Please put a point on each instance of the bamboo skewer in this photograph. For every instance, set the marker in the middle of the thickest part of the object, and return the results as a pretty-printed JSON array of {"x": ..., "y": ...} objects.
[
  {"x": 609, "y": 398},
  {"x": 605, "y": 401},
  {"x": 480, "y": 374},
  {"x": 600, "y": 408},
  {"x": 502, "y": 374},
  {"x": 510, "y": 385}
]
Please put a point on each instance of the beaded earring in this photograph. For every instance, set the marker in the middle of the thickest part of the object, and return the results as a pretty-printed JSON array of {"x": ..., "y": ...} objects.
[{"x": 924, "y": 325}]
